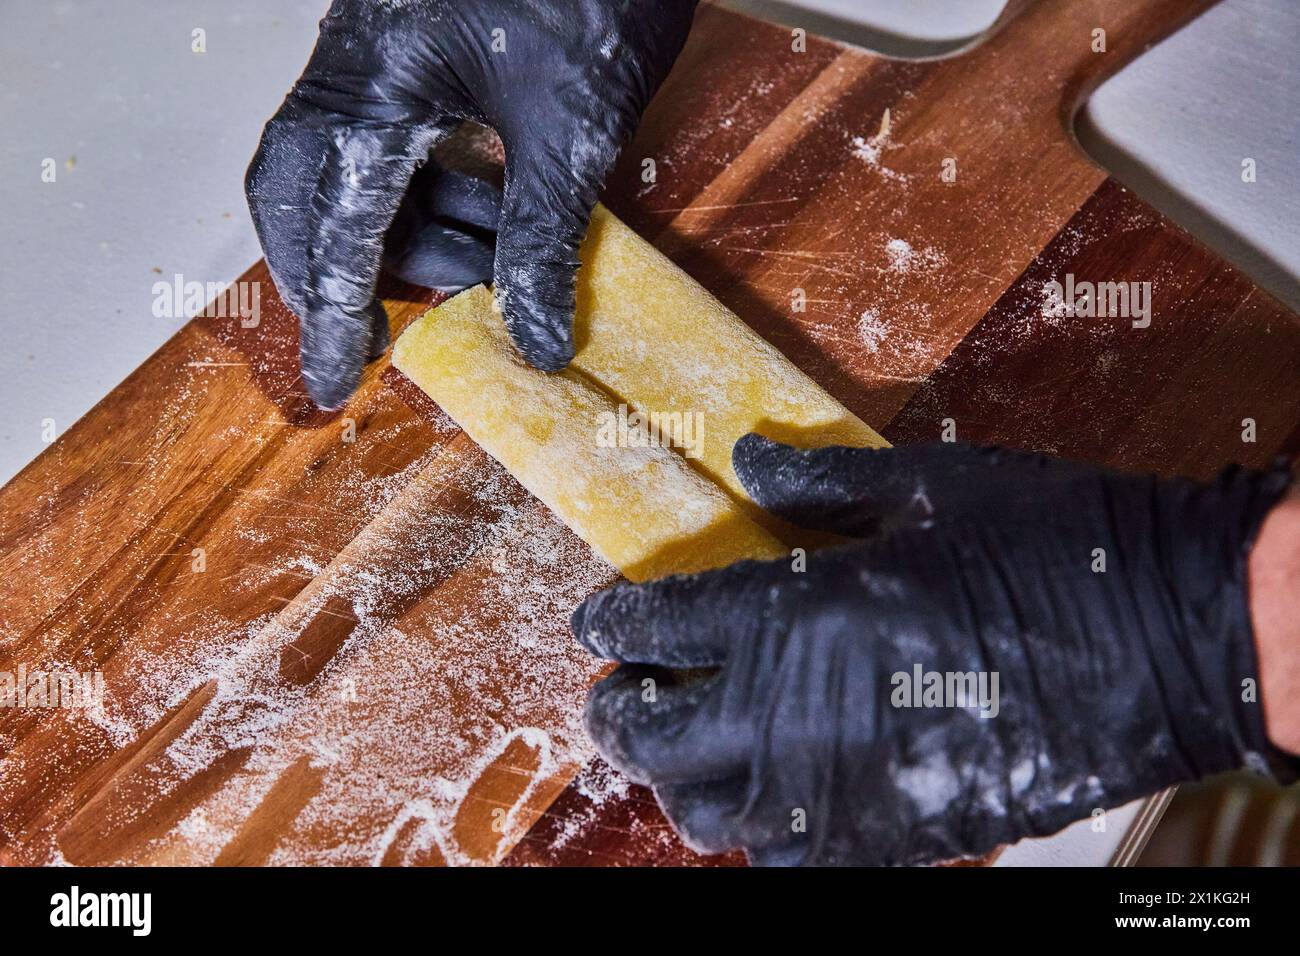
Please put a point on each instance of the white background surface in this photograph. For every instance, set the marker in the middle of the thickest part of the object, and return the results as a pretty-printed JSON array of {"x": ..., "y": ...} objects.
[
  {"x": 151, "y": 142},
  {"x": 161, "y": 137}
]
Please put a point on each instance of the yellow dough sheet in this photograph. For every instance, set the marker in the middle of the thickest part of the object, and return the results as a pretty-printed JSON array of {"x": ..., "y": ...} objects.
[
  {"x": 650, "y": 339},
  {"x": 655, "y": 337}
]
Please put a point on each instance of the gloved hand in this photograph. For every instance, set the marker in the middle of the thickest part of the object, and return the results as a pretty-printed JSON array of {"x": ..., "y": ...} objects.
[
  {"x": 564, "y": 83},
  {"x": 807, "y": 745}
]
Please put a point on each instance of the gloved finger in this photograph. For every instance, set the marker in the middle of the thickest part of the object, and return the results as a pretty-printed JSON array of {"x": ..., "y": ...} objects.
[
  {"x": 365, "y": 174},
  {"x": 279, "y": 185},
  {"x": 444, "y": 233},
  {"x": 705, "y": 815},
  {"x": 864, "y": 491},
  {"x": 684, "y": 621},
  {"x": 551, "y": 189},
  {"x": 657, "y": 730},
  {"x": 467, "y": 201},
  {"x": 851, "y": 491}
]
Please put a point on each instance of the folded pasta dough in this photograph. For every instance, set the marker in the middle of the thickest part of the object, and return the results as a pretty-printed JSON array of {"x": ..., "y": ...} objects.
[
  {"x": 655, "y": 337},
  {"x": 643, "y": 509},
  {"x": 650, "y": 338}
]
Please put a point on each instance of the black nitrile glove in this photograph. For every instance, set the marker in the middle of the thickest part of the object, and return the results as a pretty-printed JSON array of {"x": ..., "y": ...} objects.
[
  {"x": 1110, "y": 684},
  {"x": 563, "y": 82}
]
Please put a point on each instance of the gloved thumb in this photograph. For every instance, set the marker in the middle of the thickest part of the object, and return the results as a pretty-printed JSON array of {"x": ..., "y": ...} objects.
[{"x": 857, "y": 492}]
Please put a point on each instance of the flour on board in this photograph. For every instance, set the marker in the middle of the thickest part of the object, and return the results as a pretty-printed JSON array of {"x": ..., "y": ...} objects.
[
  {"x": 871, "y": 150},
  {"x": 426, "y": 690}
]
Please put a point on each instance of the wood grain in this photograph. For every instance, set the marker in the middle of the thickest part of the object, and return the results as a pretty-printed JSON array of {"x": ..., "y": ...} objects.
[{"x": 374, "y": 665}]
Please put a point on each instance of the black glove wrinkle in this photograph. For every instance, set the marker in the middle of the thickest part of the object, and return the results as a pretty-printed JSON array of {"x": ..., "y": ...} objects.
[{"x": 1217, "y": 610}]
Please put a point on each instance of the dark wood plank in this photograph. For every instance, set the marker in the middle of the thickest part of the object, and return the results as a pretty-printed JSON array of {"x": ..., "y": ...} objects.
[{"x": 1171, "y": 398}]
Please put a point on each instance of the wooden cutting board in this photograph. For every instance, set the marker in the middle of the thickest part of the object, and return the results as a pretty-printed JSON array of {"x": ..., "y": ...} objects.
[{"x": 343, "y": 638}]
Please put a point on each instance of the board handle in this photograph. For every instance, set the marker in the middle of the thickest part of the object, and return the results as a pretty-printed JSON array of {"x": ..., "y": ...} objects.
[{"x": 1075, "y": 45}]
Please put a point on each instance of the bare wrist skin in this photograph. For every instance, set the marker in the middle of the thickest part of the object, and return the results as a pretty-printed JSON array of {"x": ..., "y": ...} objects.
[{"x": 1275, "y": 614}]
